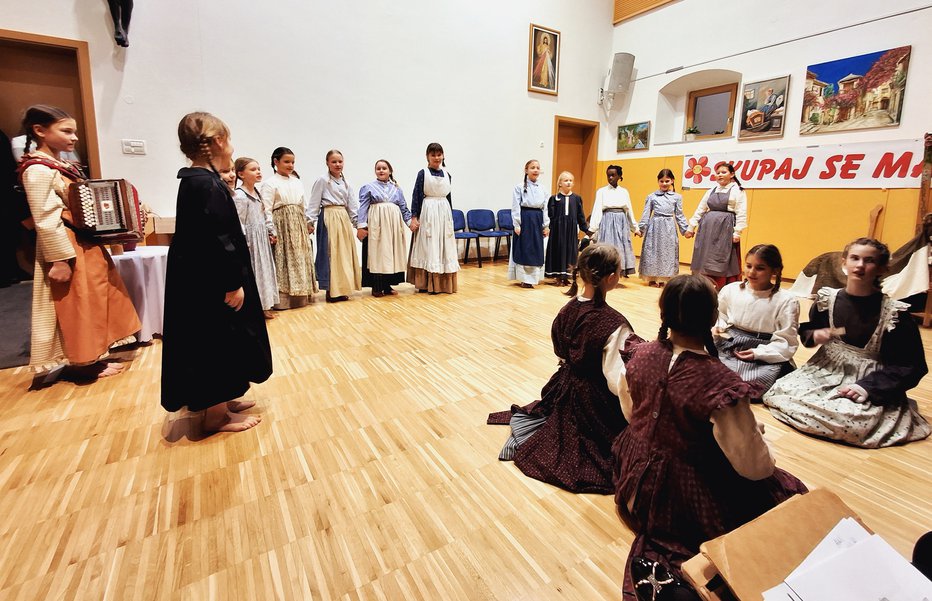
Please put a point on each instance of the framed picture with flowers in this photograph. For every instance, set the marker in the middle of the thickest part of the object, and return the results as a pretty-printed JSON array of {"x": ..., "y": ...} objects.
[{"x": 543, "y": 64}]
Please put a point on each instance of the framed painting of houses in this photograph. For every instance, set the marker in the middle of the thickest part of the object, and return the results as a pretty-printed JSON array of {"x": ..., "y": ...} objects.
[
  {"x": 763, "y": 109},
  {"x": 543, "y": 65},
  {"x": 634, "y": 136},
  {"x": 858, "y": 92}
]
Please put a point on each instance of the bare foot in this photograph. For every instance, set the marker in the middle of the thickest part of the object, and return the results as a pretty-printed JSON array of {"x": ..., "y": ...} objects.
[
  {"x": 231, "y": 422},
  {"x": 268, "y": 314},
  {"x": 94, "y": 371},
  {"x": 237, "y": 406}
]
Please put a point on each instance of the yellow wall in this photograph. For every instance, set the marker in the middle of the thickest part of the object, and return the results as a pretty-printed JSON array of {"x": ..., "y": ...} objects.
[{"x": 803, "y": 223}]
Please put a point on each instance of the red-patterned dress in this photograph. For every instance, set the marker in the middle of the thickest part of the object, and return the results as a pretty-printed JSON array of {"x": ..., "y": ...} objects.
[
  {"x": 565, "y": 439},
  {"x": 675, "y": 487}
]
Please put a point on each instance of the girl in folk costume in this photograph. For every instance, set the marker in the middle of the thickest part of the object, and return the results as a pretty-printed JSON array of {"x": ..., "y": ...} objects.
[
  {"x": 724, "y": 215},
  {"x": 663, "y": 213},
  {"x": 532, "y": 225},
  {"x": 259, "y": 230},
  {"x": 565, "y": 438},
  {"x": 434, "y": 258},
  {"x": 567, "y": 218},
  {"x": 854, "y": 388},
  {"x": 692, "y": 463},
  {"x": 337, "y": 265},
  {"x": 613, "y": 218},
  {"x": 80, "y": 307},
  {"x": 283, "y": 197},
  {"x": 756, "y": 333},
  {"x": 210, "y": 291},
  {"x": 228, "y": 175},
  {"x": 383, "y": 214}
]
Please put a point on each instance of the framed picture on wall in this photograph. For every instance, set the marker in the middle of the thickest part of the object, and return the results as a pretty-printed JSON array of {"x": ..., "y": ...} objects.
[
  {"x": 634, "y": 136},
  {"x": 858, "y": 92},
  {"x": 543, "y": 64},
  {"x": 763, "y": 109}
]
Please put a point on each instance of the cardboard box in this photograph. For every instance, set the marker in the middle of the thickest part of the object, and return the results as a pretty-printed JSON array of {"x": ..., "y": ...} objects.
[
  {"x": 159, "y": 230},
  {"x": 759, "y": 555}
]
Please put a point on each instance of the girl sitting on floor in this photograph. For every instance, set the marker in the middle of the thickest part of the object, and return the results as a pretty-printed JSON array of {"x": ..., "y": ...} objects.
[
  {"x": 854, "y": 388},
  {"x": 757, "y": 321},
  {"x": 579, "y": 412},
  {"x": 692, "y": 463}
]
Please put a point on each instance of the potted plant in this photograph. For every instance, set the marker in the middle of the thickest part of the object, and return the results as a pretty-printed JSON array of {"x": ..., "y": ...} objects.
[{"x": 690, "y": 133}]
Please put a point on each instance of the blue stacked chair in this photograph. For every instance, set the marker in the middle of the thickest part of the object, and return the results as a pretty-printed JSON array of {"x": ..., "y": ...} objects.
[
  {"x": 506, "y": 224},
  {"x": 460, "y": 233},
  {"x": 482, "y": 222}
]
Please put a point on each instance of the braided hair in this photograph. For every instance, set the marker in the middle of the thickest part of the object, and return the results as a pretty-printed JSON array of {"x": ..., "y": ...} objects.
[
  {"x": 770, "y": 255},
  {"x": 391, "y": 170},
  {"x": 596, "y": 263},
  {"x": 277, "y": 155},
  {"x": 526, "y": 165},
  {"x": 330, "y": 153},
  {"x": 435, "y": 148},
  {"x": 42, "y": 115},
  {"x": 731, "y": 170},
  {"x": 196, "y": 132},
  {"x": 689, "y": 305}
]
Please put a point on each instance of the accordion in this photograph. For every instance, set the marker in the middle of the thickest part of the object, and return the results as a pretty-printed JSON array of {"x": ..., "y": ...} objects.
[{"x": 106, "y": 210}]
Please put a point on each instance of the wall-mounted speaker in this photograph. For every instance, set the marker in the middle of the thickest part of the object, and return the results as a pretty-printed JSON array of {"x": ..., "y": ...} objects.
[{"x": 622, "y": 68}]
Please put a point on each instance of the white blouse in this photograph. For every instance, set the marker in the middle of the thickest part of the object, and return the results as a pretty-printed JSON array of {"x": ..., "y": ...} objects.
[
  {"x": 612, "y": 198},
  {"x": 737, "y": 204},
  {"x": 279, "y": 191},
  {"x": 757, "y": 311}
]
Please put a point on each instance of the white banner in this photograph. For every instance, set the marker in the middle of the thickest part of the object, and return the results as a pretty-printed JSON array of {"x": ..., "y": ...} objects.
[{"x": 896, "y": 164}]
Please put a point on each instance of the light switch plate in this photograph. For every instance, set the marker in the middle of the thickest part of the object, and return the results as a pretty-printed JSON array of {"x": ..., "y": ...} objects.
[{"x": 133, "y": 146}]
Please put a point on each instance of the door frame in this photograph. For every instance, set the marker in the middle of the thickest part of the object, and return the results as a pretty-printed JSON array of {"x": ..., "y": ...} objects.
[
  {"x": 586, "y": 179},
  {"x": 85, "y": 84}
]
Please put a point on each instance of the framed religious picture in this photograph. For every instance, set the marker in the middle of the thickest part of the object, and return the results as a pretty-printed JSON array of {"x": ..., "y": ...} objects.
[
  {"x": 634, "y": 136},
  {"x": 763, "y": 109},
  {"x": 543, "y": 64}
]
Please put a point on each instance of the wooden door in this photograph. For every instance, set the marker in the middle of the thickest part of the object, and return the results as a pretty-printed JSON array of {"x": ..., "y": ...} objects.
[{"x": 576, "y": 150}]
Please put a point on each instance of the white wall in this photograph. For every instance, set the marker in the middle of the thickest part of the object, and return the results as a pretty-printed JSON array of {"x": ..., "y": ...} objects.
[
  {"x": 693, "y": 31},
  {"x": 372, "y": 78}
]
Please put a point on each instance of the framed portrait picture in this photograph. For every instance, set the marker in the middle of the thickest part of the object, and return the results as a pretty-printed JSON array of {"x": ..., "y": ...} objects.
[
  {"x": 634, "y": 136},
  {"x": 858, "y": 92},
  {"x": 543, "y": 64},
  {"x": 763, "y": 109}
]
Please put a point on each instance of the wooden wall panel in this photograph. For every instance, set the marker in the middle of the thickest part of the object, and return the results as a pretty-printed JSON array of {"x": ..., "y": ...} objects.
[{"x": 625, "y": 9}]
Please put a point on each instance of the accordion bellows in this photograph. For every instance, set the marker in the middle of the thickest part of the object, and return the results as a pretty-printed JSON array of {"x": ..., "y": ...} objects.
[{"x": 106, "y": 210}]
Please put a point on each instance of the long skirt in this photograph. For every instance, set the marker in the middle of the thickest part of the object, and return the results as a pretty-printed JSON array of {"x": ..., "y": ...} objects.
[
  {"x": 660, "y": 253},
  {"x": 383, "y": 250},
  {"x": 527, "y": 249},
  {"x": 294, "y": 264},
  {"x": 616, "y": 230},
  {"x": 714, "y": 253},
  {"x": 807, "y": 400},
  {"x": 262, "y": 258},
  {"x": 562, "y": 247},
  {"x": 434, "y": 257},
  {"x": 759, "y": 373},
  {"x": 78, "y": 321},
  {"x": 338, "y": 270}
]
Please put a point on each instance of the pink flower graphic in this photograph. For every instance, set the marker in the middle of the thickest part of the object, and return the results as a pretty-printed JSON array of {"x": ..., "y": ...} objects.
[{"x": 697, "y": 169}]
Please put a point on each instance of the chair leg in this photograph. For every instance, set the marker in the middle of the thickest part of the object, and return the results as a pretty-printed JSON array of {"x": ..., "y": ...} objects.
[
  {"x": 479, "y": 253},
  {"x": 466, "y": 252},
  {"x": 498, "y": 240}
]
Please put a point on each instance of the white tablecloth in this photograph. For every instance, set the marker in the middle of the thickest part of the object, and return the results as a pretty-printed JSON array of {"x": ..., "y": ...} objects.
[{"x": 143, "y": 272}]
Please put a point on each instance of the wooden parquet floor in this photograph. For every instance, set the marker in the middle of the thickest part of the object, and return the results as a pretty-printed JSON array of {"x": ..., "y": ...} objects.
[{"x": 372, "y": 476}]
